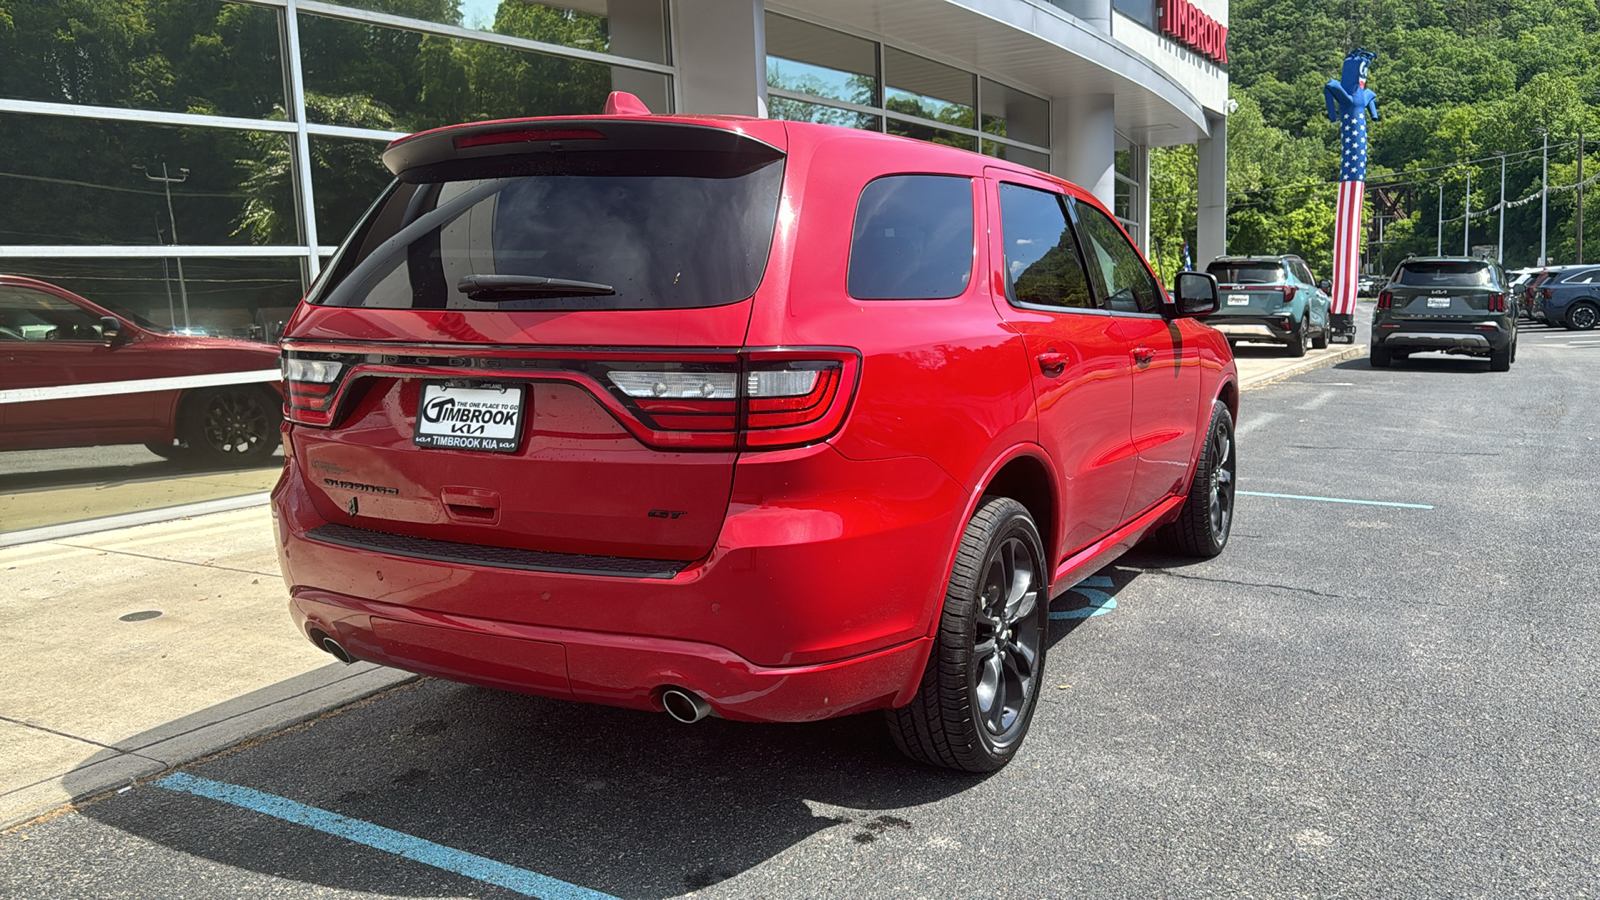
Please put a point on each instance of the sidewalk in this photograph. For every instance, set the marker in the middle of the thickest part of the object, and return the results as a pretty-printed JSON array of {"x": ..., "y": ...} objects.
[{"x": 138, "y": 649}]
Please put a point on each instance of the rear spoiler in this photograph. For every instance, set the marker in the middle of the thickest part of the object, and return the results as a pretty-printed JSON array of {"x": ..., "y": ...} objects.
[{"x": 475, "y": 149}]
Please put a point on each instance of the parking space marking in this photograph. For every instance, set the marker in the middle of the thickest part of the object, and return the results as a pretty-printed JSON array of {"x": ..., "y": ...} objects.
[
  {"x": 428, "y": 853},
  {"x": 1100, "y": 602},
  {"x": 1254, "y": 422},
  {"x": 1337, "y": 500},
  {"x": 1318, "y": 400}
]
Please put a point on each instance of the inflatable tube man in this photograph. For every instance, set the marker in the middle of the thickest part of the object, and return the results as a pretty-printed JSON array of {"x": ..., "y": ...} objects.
[{"x": 1349, "y": 101}]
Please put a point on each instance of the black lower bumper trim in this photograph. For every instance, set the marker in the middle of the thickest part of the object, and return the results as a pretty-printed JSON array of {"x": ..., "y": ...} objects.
[{"x": 494, "y": 557}]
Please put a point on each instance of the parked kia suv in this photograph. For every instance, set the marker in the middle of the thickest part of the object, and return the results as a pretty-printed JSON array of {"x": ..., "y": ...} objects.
[
  {"x": 759, "y": 419},
  {"x": 1273, "y": 299},
  {"x": 1452, "y": 304}
]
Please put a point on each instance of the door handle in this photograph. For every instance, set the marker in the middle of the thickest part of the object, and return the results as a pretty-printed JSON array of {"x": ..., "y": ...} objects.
[
  {"x": 1052, "y": 363},
  {"x": 1143, "y": 356}
]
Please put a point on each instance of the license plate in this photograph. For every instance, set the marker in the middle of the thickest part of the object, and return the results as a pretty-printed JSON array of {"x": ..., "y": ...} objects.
[
  {"x": 1238, "y": 299},
  {"x": 1439, "y": 302},
  {"x": 487, "y": 417}
]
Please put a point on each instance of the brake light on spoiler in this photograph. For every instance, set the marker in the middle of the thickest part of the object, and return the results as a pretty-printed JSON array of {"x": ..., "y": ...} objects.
[{"x": 749, "y": 400}]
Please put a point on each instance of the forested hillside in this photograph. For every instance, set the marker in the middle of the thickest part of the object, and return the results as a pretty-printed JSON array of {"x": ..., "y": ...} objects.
[{"x": 1458, "y": 82}]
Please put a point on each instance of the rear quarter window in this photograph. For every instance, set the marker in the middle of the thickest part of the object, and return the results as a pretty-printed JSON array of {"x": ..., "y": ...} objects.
[{"x": 912, "y": 239}]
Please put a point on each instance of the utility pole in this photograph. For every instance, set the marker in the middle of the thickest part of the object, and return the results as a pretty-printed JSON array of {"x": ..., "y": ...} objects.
[
  {"x": 167, "y": 182},
  {"x": 1438, "y": 249},
  {"x": 1500, "y": 246},
  {"x": 1544, "y": 197},
  {"x": 1580, "y": 195},
  {"x": 1466, "y": 219}
]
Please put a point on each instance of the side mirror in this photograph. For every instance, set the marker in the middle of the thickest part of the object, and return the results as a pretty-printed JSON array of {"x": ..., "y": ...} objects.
[
  {"x": 111, "y": 330},
  {"x": 1325, "y": 285},
  {"x": 1196, "y": 295}
]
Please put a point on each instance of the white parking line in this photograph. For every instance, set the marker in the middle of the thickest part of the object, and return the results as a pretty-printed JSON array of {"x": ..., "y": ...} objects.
[
  {"x": 1319, "y": 399},
  {"x": 1254, "y": 422}
]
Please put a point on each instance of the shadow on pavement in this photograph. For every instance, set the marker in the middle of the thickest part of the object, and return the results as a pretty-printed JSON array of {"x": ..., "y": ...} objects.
[{"x": 110, "y": 475}]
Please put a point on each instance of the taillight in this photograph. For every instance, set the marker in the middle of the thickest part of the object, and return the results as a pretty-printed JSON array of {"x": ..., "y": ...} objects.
[
  {"x": 526, "y": 135},
  {"x": 1497, "y": 303},
  {"x": 1385, "y": 300},
  {"x": 1288, "y": 292},
  {"x": 310, "y": 387},
  {"x": 1546, "y": 294}
]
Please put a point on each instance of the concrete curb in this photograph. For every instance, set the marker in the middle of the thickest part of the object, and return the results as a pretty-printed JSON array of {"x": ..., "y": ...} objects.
[
  {"x": 266, "y": 711},
  {"x": 1300, "y": 366},
  {"x": 129, "y": 520}
]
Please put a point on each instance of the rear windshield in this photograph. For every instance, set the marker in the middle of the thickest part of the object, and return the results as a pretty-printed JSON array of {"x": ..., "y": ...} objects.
[
  {"x": 1444, "y": 274},
  {"x": 662, "y": 237},
  {"x": 1248, "y": 273}
]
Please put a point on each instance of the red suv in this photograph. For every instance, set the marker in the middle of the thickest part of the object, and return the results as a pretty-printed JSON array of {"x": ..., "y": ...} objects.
[
  {"x": 751, "y": 418},
  {"x": 74, "y": 374}
]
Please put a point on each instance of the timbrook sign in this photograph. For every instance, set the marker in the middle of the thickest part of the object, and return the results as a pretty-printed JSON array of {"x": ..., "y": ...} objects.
[{"x": 1185, "y": 23}]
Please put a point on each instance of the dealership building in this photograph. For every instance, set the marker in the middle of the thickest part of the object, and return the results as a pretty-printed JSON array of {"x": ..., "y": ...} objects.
[{"x": 197, "y": 163}]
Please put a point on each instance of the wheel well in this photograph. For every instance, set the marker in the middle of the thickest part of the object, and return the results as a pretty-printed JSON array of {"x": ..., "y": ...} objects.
[
  {"x": 1230, "y": 396},
  {"x": 1025, "y": 480}
]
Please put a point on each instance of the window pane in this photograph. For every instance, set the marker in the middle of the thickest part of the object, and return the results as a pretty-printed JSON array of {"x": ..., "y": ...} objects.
[
  {"x": 632, "y": 28},
  {"x": 1029, "y": 158},
  {"x": 1042, "y": 262},
  {"x": 248, "y": 298},
  {"x": 821, "y": 62},
  {"x": 1010, "y": 113},
  {"x": 200, "y": 56},
  {"x": 368, "y": 76},
  {"x": 1141, "y": 11},
  {"x": 1120, "y": 276},
  {"x": 929, "y": 90},
  {"x": 912, "y": 239},
  {"x": 28, "y": 315},
  {"x": 934, "y": 135},
  {"x": 800, "y": 111},
  {"x": 347, "y": 175},
  {"x": 227, "y": 187}
]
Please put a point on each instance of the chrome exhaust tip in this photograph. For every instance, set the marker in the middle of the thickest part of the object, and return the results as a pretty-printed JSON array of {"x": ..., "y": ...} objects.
[
  {"x": 338, "y": 652},
  {"x": 684, "y": 706}
]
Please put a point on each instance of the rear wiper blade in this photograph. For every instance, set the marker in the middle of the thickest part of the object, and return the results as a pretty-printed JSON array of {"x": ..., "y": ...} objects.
[{"x": 494, "y": 288}]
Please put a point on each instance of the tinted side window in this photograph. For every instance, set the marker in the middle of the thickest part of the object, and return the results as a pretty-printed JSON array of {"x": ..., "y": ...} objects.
[
  {"x": 1042, "y": 262},
  {"x": 1120, "y": 276},
  {"x": 1303, "y": 272},
  {"x": 28, "y": 315},
  {"x": 912, "y": 239}
]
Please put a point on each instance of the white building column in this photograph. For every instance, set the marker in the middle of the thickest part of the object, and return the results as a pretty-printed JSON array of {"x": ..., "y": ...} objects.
[
  {"x": 721, "y": 56},
  {"x": 1211, "y": 229},
  {"x": 1083, "y": 143}
]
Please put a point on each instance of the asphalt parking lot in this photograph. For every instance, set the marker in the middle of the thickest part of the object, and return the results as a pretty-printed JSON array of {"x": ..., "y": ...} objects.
[{"x": 1386, "y": 686}]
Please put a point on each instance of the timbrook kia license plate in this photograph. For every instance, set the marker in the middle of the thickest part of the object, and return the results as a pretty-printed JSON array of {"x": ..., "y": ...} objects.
[{"x": 486, "y": 417}]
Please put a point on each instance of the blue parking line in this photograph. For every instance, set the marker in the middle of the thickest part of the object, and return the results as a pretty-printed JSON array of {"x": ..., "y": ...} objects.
[
  {"x": 530, "y": 884},
  {"x": 1100, "y": 602},
  {"x": 1337, "y": 500}
]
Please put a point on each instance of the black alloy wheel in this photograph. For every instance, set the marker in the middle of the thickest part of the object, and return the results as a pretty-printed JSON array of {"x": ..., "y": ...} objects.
[
  {"x": 981, "y": 685},
  {"x": 1206, "y": 518},
  {"x": 235, "y": 425},
  {"x": 1582, "y": 317}
]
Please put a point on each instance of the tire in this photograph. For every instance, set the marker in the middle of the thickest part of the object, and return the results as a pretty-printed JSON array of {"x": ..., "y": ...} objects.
[
  {"x": 234, "y": 426},
  {"x": 981, "y": 685},
  {"x": 1582, "y": 316},
  {"x": 1379, "y": 357},
  {"x": 1500, "y": 360},
  {"x": 1206, "y": 518},
  {"x": 1297, "y": 340},
  {"x": 1320, "y": 341}
]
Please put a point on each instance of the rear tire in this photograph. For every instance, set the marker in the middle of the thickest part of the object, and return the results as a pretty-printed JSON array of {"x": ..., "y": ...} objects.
[
  {"x": 235, "y": 425},
  {"x": 1582, "y": 316},
  {"x": 1297, "y": 340},
  {"x": 1320, "y": 342},
  {"x": 1500, "y": 360},
  {"x": 981, "y": 685},
  {"x": 1379, "y": 357},
  {"x": 1206, "y": 517}
]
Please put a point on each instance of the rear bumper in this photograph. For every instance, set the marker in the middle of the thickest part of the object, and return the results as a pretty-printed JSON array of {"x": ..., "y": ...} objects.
[
  {"x": 1476, "y": 338},
  {"x": 1276, "y": 328},
  {"x": 818, "y": 600}
]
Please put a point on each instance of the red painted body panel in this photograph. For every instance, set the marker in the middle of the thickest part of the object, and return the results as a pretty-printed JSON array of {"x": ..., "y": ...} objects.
[
  {"x": 814, "y": 576},
  {"x": 145, "y": 417}
]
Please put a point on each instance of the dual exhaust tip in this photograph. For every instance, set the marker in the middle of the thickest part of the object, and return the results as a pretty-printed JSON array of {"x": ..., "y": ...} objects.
[{"x": 684, "y": 706}]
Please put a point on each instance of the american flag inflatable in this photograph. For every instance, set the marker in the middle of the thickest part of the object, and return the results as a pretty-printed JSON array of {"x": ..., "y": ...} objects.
[{"x": 1349, "y": 102}]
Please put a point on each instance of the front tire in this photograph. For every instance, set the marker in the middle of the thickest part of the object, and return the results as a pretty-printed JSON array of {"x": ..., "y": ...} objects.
[
  {"x": 1206, "y": 517},
  {"x": 981, "y": 685},
  {"x": 232, "y": 426}
]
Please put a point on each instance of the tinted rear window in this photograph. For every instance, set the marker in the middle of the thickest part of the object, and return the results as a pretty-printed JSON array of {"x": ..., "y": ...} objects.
[
  {"x": 912, "y": 239},
  {"x": 1248, "y": 273},
  {"x": 1444, "y": 274},
  {"x": 664, "y": 237}
]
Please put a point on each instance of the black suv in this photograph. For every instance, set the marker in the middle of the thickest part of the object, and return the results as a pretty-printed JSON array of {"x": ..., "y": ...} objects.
[{"x": 1455, "y": 304}]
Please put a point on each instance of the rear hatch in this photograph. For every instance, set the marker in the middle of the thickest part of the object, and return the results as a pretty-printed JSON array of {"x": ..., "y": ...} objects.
[
  {"x": 1252, "y": 288},
  {"x": 534, "y": 339},
  {"x": 1443, "y": 291}
]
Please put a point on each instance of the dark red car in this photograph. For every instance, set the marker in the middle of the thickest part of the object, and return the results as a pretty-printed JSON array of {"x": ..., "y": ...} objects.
[
  {"x": 765, "y": 420},
  {"x": 74, "y": 374}
]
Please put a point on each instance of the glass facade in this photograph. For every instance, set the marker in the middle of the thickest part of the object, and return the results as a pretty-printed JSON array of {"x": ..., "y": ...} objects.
[{"x": 817, "y": 74}]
